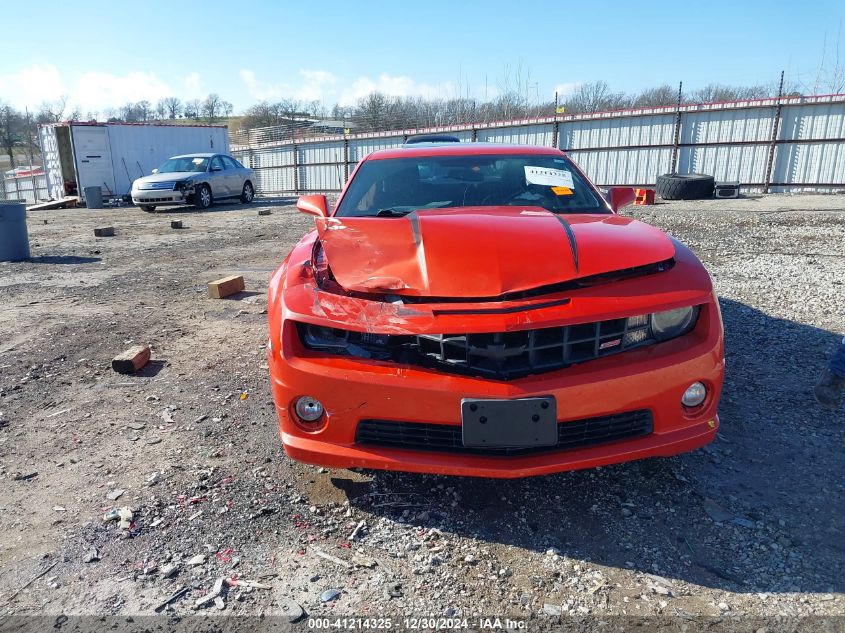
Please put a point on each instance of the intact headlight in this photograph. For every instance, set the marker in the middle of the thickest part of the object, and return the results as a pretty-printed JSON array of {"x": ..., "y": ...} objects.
[{"x": 672, "y": 323}]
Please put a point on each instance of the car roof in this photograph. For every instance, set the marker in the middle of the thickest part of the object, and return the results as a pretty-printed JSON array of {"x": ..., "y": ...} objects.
[
  {"x": 197, "y": 155},
  {"x": 462, "y": 149}
]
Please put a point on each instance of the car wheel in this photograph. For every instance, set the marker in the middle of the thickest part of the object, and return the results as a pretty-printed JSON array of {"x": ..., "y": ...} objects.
[
  {"x": 202, "y": 197},
  {"x": 248, "y": 193},
  {"x": 686, "y": 187},
  {"x": 149, "y": 208}
]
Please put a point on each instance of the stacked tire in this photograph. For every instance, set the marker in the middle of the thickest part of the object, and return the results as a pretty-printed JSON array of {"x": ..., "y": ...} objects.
[{"x": 685, "y": 187}]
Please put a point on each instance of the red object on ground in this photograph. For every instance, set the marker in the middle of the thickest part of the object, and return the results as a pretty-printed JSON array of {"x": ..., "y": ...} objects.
[
  {"x": 644, "y": 196},
  {"x": 389, "y": 329}
]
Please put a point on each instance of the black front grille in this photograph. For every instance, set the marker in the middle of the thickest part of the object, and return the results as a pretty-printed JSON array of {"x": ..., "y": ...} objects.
[
  {"x": 508, "y": 355},
  {"x": 447, "y": 438},
  {"x": 497, "y": 355}
]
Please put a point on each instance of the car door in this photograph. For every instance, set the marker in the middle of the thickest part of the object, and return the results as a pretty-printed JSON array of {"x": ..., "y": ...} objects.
[
  {"x": 234, "y": 175},
  {"x": 217, "y": 178}
]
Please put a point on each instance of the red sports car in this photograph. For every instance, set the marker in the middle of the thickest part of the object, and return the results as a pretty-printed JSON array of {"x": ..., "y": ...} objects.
[{"x": 481, "y": 309}]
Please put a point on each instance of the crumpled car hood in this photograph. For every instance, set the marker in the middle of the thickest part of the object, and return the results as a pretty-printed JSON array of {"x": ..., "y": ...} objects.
[{"x": 485, "y": 252}]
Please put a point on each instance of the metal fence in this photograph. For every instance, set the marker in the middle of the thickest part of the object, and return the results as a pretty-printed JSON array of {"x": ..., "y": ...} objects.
[
  {"x": 30, "y": 188},
  {"x": 778, "y": 144}
]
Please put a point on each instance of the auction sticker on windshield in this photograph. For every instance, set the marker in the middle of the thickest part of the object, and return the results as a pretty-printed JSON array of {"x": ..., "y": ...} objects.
[{"x": 548, "y": 177}]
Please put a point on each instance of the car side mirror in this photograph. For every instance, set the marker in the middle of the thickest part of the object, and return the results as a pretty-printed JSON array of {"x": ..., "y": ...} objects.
[
  {"x": 619, "y": 197},
  {"x": 313, "y": 205},
  {"x": 155, "y": 171}
]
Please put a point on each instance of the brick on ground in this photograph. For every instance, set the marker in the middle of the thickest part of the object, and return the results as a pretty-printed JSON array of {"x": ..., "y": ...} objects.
[
  {"x": 104, "y": 231},
  {"x": 131, "y": 360}
]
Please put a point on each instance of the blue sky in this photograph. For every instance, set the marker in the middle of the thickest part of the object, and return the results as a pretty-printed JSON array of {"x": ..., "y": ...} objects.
[{"x": 338, "y": 51}]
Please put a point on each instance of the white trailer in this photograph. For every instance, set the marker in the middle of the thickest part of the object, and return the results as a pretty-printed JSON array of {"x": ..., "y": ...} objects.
[{"x": 111, "y": 155}]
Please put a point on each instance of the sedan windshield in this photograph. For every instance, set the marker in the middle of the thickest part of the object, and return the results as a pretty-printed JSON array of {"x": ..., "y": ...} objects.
[
  {"x": 395, "y": 187},
  {"x": 184, "y": 163}
]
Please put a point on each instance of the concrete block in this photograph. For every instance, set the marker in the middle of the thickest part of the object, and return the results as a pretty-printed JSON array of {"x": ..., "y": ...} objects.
[
  {"x": 264, "y": 212},
  {"x": 175, "y": 224},
  {"x": 105, "y": 231},
  {"x": 227, "y": 286},
  {"x": 131, "y": 360}
]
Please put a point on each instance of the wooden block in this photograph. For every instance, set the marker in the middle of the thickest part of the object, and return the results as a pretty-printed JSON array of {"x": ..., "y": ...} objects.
[
  {"x": 131, "y": 360},
  {"x": 224, "y": 287},
  {"x": 105, "y": 231},
  {"x": 175, "y": 224},
  {"x": 264, "y": 212}
]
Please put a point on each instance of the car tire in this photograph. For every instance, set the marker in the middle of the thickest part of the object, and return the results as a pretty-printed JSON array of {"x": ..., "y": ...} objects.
[
  {"x": 149, "y": 208},
  {"x": 248, "y": 193},
  {"x": 202, "y": 197},
  {"x": 685, "y": 187}
]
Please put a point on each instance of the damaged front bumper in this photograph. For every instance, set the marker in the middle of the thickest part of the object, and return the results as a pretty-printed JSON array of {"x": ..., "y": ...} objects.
[
  {"x": 633, "y": 398},
  {"x": 180, "y": 194}
]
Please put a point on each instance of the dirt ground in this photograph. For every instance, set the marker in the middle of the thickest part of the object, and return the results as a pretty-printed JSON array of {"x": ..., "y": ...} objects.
[{"x": 751, "y": 526}]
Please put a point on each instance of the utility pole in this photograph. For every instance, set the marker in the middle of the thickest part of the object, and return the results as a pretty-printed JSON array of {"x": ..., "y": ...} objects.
[
  {"x": 31, "y": 160},
  {"x": 674, "y": 166},
  {"x": 774, "y": 139}
]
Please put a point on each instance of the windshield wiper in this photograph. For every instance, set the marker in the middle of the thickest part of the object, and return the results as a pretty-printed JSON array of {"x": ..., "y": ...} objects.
[{"x": 391, "y": 213}]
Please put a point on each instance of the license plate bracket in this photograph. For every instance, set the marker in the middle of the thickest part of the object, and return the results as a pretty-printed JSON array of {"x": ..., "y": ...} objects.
[{"x": 519, "y": 423}]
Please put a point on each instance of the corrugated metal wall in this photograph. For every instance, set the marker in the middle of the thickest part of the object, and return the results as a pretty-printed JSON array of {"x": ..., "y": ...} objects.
[
  {"x": 138, "y": 149},
  {"x": 731, "y": 141}
]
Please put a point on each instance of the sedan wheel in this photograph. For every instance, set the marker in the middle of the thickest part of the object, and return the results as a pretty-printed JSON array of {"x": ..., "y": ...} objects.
[
  {"x": 202, "y": 197},
  {"x": 248, "y": 193}
]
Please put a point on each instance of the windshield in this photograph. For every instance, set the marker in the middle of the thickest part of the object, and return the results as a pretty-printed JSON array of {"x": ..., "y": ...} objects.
[
  {"x": 393, "y": 187},
  {"x": 184, "y": 163}
]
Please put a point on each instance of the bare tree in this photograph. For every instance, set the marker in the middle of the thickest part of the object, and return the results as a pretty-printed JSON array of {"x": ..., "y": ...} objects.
[
  {"x": 372, "y": 111},
  {"x": 192, "y": 109},
  {"x": 664, "y": 95},
  {"x": 173, "y": 107},
  {"x": 12, "y": 128},
  {"x": 161, "y": 110},
  {"x": 212, "y": 107},
  {"x": 713, "y": 93},
  {"x": 145, "y": 110},
  {"x": 596, "y": 97},
  {"x": 57, "y": 111}
]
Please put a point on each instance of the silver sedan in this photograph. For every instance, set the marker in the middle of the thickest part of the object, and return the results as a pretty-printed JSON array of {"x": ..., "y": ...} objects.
[{"x": 197, "y": 179}]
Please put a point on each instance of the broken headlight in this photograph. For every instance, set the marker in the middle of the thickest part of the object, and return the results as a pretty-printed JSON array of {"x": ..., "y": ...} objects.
[
  {"x": 335, "y": 341},
  {"x": 183, "y": 185},
  {"x": 672, "y": 323},
  {"x": 320, "y": 265}
]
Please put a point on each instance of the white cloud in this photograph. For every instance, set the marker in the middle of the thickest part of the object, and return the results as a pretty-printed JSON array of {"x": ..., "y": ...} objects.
[
  {"x": 321, "y": 85},
  {"x": 566, "y": 89},
  {"x": 92, "y": 91},
  {"x": 32, "y": 86},
  {"x": 313, "y": 85},
  {"x": 394, "y": 86}
]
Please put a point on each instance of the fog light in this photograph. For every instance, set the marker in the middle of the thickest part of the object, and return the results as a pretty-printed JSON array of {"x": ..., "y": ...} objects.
[
  {"x": 694, "y": 395},
  {"x": 308, "y": 409}
]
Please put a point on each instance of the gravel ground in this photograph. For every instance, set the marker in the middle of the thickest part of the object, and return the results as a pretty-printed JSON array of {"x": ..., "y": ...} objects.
[{"x": 750, "y": 526}]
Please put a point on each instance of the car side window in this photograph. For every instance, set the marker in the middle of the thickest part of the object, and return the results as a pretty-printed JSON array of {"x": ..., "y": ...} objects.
[
  {"x": 229, "y": 163},
  {"x": 216, "y": 163}
]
